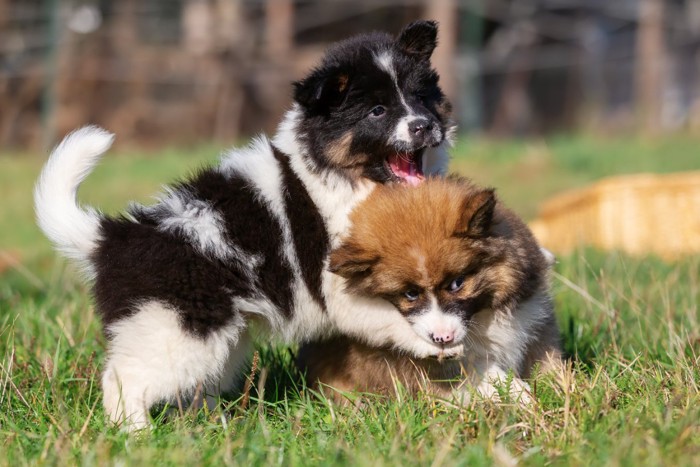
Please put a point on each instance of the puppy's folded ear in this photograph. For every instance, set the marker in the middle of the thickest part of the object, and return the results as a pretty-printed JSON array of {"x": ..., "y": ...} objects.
[
  {"x": 322, "y": 90},
  {"x": 477, "y": 215},
  {"x": 351, "y": 262},
  {"x": 419, "y": 38}
]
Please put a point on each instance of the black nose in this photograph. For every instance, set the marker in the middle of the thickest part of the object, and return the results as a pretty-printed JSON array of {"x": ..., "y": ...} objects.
[{"x": 419, "y": 127}]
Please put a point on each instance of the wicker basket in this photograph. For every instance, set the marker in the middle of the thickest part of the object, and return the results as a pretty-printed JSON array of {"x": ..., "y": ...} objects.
[{"x": 639, "y": 214}]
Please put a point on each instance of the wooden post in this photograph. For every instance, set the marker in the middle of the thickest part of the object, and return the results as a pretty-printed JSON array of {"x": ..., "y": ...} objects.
[
  {"x": 4, "y": 13},
  {"x": 650, "y": 64},
  {"x": 135, "y": 105},
  {"x": 235, "y": 39},
  {"x": 198, "y": 27},
  {"x": 470, "y": 112},
  {"x": 280, "y": 53},
  {"x": 48, "y": 98},
  {"x": 279, "y": 29},
  {"x": 445, "y": 13},
  {"x": 693, "y": 14}
]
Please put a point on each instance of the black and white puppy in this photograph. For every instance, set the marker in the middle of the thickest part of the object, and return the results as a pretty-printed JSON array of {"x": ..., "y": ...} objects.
[{"x": 177, "y": 283}]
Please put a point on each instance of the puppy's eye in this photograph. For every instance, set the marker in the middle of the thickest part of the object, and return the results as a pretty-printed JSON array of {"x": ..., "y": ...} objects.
[
  {"x": 412, "y": 295},
  {"x": 378, "y": 111},
  {"x": 456, "y": 284}
]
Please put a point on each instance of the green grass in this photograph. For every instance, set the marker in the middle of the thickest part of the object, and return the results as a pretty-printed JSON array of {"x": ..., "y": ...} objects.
[{"x": 631, "y": 326}]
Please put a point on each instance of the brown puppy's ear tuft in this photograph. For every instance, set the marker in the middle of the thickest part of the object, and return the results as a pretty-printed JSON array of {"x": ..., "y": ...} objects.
[
  {"x": 477, "y": 215},
  {"x": 419, "y": 38},
  {"x": 350, "y": 261}
]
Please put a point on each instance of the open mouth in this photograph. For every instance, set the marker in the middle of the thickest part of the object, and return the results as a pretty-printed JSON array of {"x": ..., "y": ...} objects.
[{"x": 407, "y": 167}]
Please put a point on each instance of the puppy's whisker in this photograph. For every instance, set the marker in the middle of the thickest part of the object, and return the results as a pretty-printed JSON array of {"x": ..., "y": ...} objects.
[
  {"x": 470, "y": 341},
  {"x": 403, "y": 156}
]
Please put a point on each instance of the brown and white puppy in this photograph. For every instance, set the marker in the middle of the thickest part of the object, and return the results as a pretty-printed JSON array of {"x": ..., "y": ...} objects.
[{"x": 463, "y": 270}]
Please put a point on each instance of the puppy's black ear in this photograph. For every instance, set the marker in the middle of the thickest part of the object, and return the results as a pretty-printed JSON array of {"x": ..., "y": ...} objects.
[
  {"x": 322, "y": 90},
  {"x": 419, "y": 38},
  {"x": 477, "y": 215},
  {"x": 351, "y": 261}
]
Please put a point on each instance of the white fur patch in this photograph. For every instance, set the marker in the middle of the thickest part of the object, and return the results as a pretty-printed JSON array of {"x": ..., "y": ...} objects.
[
  {"x": 402, "y": 132},
  {"x": 385, "y": 61},
  {"x": 260, "y": 306},
  {"x": 74, "y": 230},
  {"x": 334, "y": 196},
  {"x": 202, "y": 226},
  {"x": 286, "y": 137},
  {"x": 549, "y": 257},
  {"x": 259, "y": 166},
  {"x": 152, "y": 359},
  {"x": 501, "y": 339},
  {"x": 494, "y": 376}
]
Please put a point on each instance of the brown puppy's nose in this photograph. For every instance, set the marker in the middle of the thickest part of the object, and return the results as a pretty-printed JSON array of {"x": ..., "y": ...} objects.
[{"x": 444, "y": 337}]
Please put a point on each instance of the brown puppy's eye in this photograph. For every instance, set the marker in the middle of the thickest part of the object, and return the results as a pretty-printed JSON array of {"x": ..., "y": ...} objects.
[
  {"x": 456, "y": 284},
  {"x": 412, "y": 295}
]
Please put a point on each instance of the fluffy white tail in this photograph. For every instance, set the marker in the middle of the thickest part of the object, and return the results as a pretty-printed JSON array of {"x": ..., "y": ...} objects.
[{"x": 73, "y": 230}]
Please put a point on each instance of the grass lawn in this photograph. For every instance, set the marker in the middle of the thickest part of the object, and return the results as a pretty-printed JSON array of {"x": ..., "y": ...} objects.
[{"x": 631, "y": 326}]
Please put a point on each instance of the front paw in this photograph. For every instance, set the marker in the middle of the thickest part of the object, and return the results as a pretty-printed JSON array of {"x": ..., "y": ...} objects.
[
  {"x": 422, "y": 349},
  {"x": 450, "y": 353},
  {"x": 498, "y": 382}
]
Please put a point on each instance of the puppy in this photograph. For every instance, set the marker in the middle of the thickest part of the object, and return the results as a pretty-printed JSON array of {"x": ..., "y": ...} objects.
[
  {"x": 177, "y": 284},
  {"x": 462, "y": 270}
]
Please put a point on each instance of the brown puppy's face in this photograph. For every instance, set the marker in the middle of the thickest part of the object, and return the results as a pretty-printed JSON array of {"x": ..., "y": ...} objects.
[{"x": 433, "y": 251}]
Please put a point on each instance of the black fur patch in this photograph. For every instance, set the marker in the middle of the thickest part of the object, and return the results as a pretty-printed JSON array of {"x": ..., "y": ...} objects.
[
  {"x": 136, "y": 262},
  {"x": 308, "y": 229},
  {"x": 251, "y": 226},
  {"x": 468, "y": 307}
]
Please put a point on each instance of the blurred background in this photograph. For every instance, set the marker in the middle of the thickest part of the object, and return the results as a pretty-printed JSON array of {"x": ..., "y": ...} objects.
[
  {"x": 203, "y": 70},
  {"x": 550, "y": 95}
]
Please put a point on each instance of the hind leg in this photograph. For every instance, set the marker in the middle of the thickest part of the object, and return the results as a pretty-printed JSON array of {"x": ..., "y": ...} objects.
[
  {"x": 152, "y": 359},
  {"x": 232, "y": 371},
  {"x": 125, "y": 396}
]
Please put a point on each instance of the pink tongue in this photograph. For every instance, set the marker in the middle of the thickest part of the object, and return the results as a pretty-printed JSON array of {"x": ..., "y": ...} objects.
[{"x": 405, "y": 168}]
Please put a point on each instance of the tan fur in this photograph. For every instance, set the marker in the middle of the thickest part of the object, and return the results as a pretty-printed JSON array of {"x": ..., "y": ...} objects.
[
  {"x": 343, "y": 364},
  {"x": 339, "y": 155},
  {"x": 424, "y": 237}
]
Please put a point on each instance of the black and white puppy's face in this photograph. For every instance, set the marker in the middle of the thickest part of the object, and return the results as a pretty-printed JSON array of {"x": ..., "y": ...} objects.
[{"x": 374, "y": 106}]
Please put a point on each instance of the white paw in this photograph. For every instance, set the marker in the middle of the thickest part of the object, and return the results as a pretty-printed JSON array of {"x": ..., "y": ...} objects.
[
  {"x": 494, "y": 379},
  {"x": 422, "y": 349}
]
